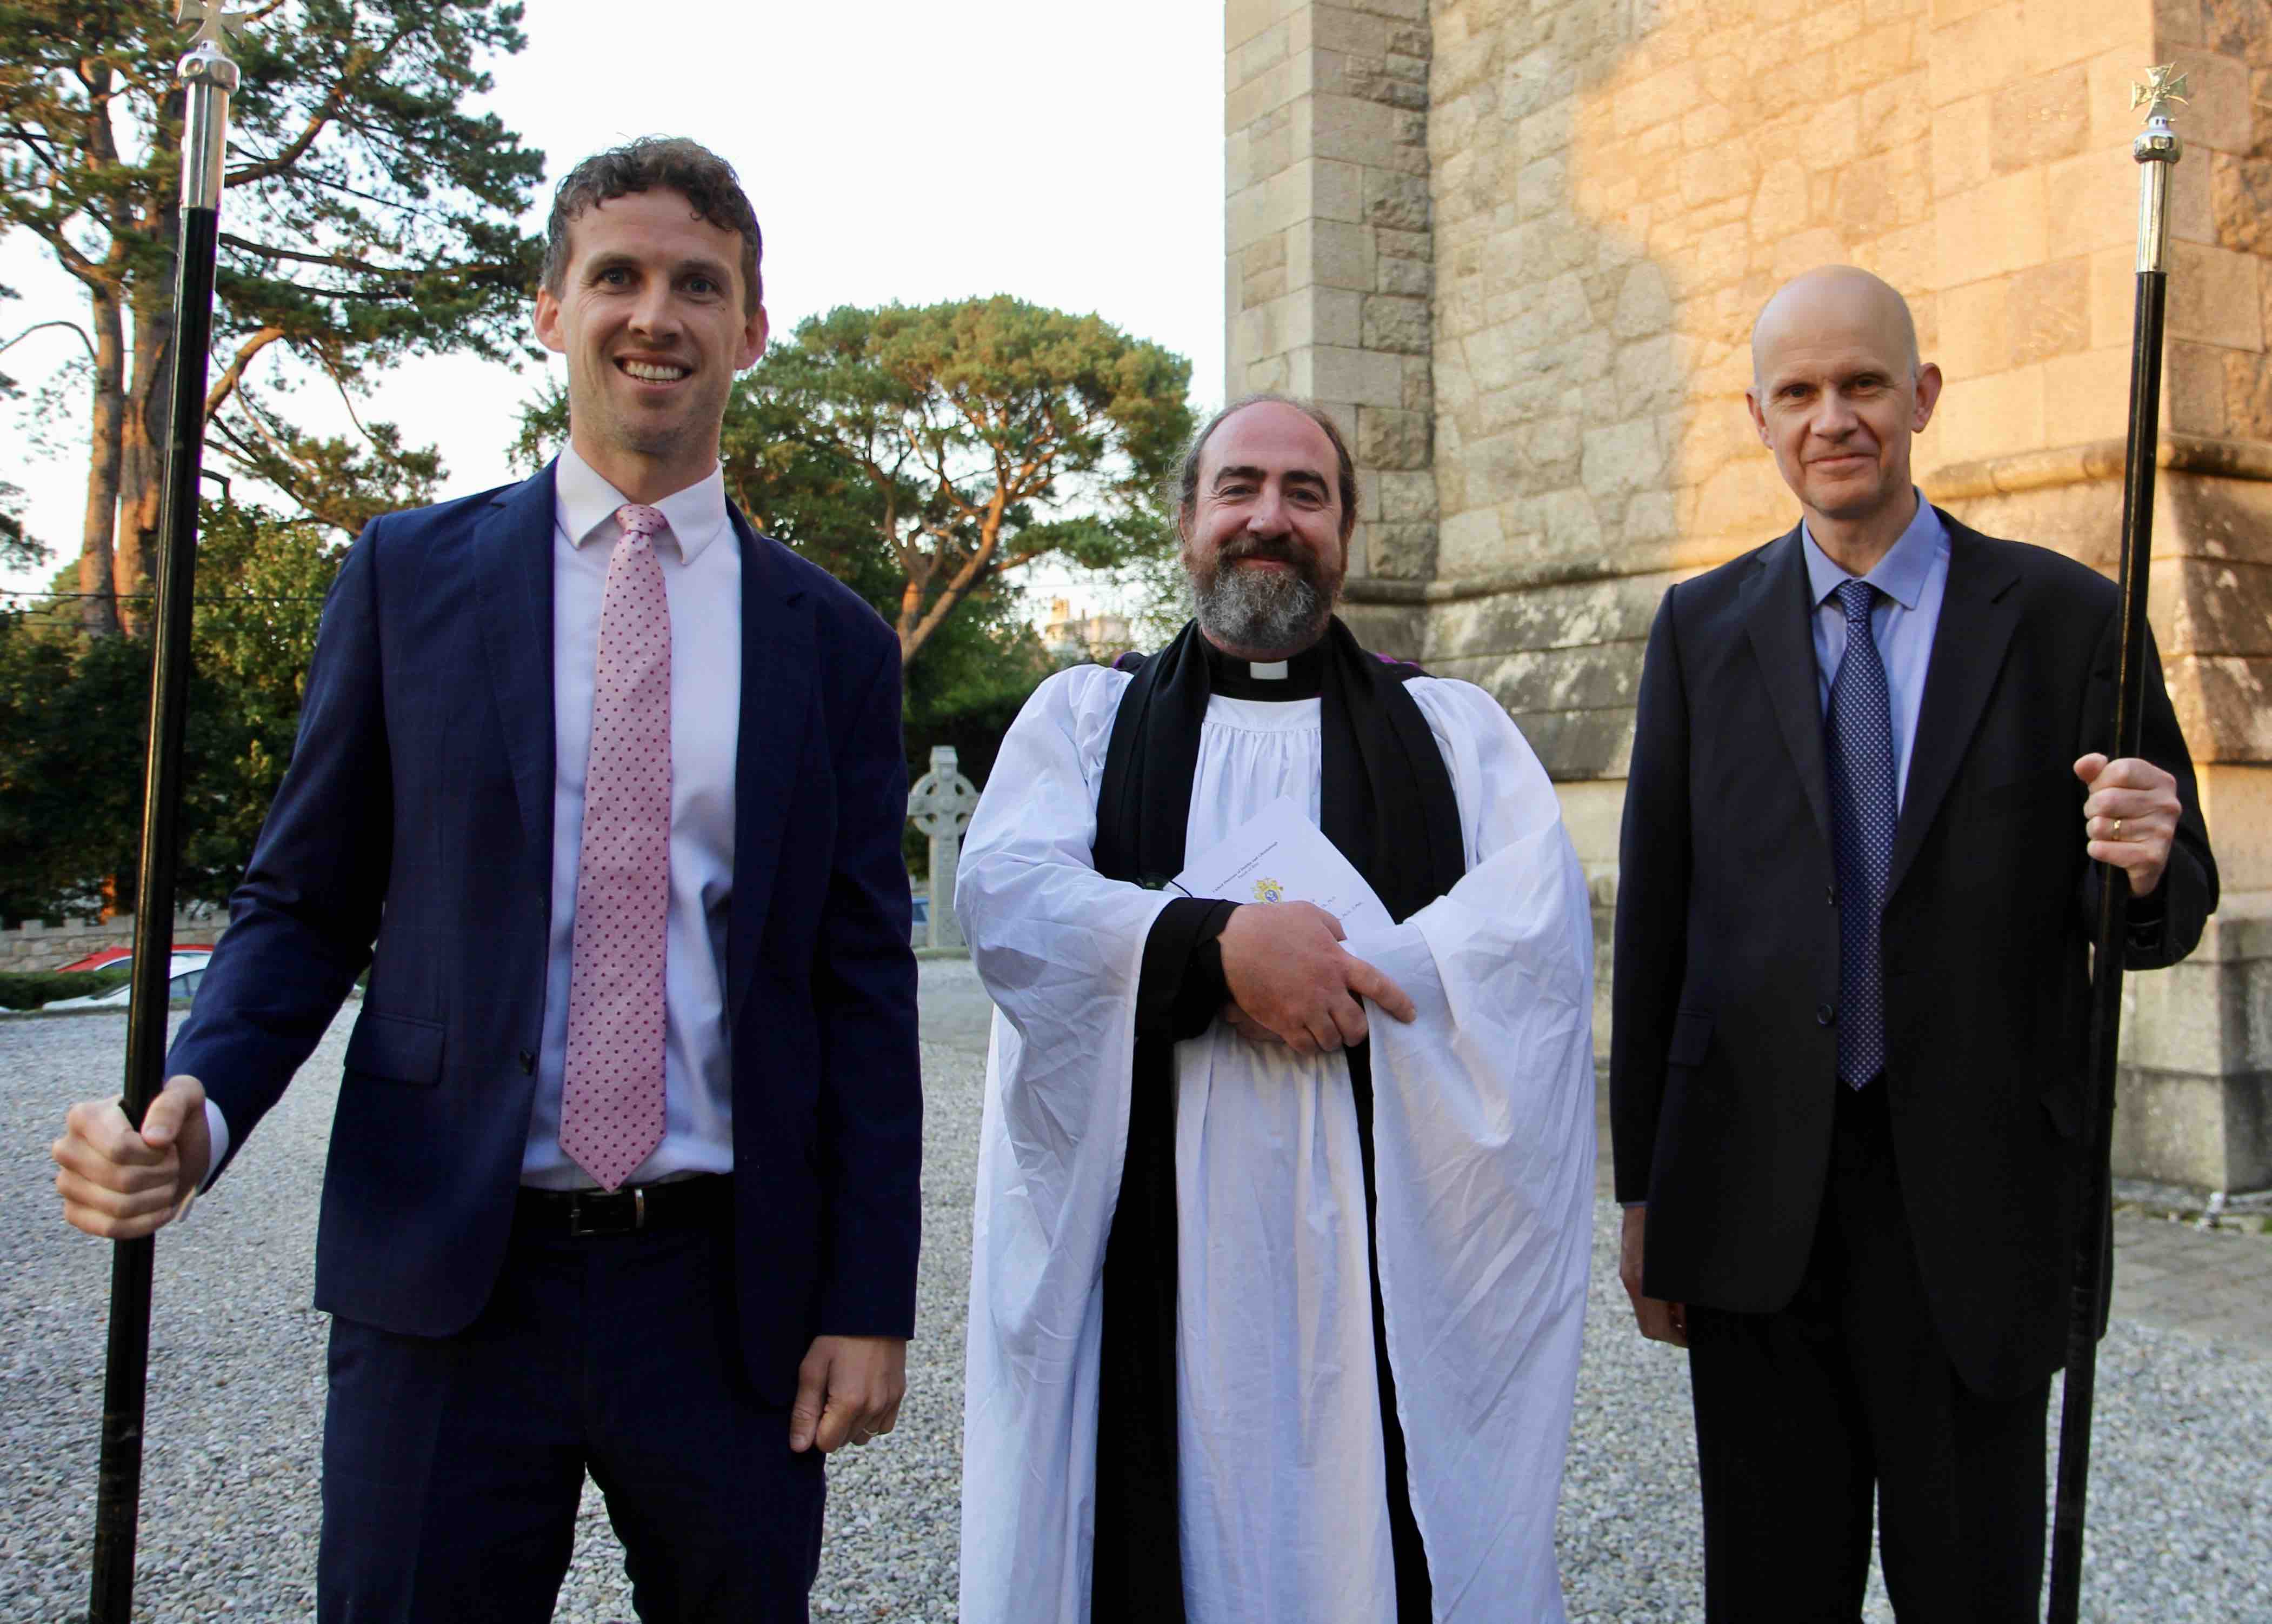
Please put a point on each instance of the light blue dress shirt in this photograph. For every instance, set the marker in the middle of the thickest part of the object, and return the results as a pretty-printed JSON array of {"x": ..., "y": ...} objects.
[{"x": 1911, "y": 580}]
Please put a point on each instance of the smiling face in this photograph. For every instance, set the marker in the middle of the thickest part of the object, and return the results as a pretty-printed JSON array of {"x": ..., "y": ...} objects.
[
  {"x": 1266, "y": 538},
  {"x": 650, "y": 314},
  {"x": 1837, "y": 394}
]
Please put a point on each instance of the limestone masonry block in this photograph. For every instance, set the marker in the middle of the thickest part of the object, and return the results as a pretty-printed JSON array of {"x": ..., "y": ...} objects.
[
  {"x": 1395, "y": 323},
  {"x": 2096, "y": 204},
  {"x": 2076, "y": 29},
  {"x": 1895, "y": 113},
  {"x": 1329, "y": 253},
  {"x": 1962, "y": 158},
  {"x": 1414, "y": 278},
  {"x": 1402, "y": 550},
  {"x": 1399, "y": 202},
  {"x": 1265, "y": 51},
  {"x": 1355, "y": 132},
  {"x": 2217, "y": 606},
  {"x": 2213, "y": 297},
  {"x": 2240, "y": 191},
  {"x": 2223, "y": 113},
  {"x": 1356, "y": 375},
  {"x": 2040, "y": 118},
  {"x": 2193, "y": 389},
  {"x": 2248, "y": 395},
  {"x": 1992, "y": 416},
  {"x": 1352, "y": 32},
  {"x": 1975, "y": 336},
  {"x": 2225, "y": 700},
  {"x": 1390, "y": 438},
  {"x": 1978, "y": 53},
  {"x": 1470, "y": 542},
  {"x": 1994, "y": 229},
  {"x": 2050, "y": 310},
  {"x": 1621, "y": 458},
  {"x": 2086, "y": 397},
  {"x": 1408, "y": 499}
]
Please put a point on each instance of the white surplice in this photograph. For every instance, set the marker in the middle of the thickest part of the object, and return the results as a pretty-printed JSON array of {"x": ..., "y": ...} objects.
[{"x": 1483, "y": 1140}]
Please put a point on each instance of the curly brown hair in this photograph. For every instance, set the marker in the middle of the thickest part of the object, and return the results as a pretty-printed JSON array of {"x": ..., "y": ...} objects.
[{"x": 707, "y": 181}]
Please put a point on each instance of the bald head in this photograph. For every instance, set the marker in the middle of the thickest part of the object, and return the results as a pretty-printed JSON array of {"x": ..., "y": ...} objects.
[
  {"x": 1838, "y": 392},
  {"x": 1839, "y": 299}
]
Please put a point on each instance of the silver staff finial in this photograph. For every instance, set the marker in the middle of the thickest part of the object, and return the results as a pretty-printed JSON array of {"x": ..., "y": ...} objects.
[
  {"x": 2164, "y": 85},
  {"x": 209, "y": 76},
  {"x": 2156, "y": 149},
  {"x": 214, "y": 20}
]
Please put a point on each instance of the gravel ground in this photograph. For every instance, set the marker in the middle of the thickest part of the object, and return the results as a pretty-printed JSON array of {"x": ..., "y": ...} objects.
[{"x": 2183, "y": 1529}]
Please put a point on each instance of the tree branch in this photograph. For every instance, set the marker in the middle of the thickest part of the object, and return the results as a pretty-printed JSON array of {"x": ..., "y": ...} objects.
[
  {"x": 37, "y": 326},
  {"x": 324, "y": 113},
  {"x": 226, "y": 384}
]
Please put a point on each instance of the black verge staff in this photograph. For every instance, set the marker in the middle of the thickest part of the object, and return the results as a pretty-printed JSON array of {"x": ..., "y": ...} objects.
[
  {"x": 208, "y": 76},
  {"x": 2157, "y": 150}
]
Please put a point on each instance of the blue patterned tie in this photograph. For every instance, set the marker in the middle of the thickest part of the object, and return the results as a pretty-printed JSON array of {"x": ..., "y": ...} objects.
[{"x": 1864, "y": 809}]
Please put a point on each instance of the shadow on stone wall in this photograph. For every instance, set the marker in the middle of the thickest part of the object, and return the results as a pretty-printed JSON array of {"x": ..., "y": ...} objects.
[{"x": 1617, "y": 190}]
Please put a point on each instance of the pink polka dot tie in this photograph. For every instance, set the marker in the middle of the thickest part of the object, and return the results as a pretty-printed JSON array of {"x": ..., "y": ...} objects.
[{"x": 611, "y": 1102}]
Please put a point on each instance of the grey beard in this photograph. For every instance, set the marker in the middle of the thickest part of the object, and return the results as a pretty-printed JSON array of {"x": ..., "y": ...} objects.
[{"x": 1260, "y": 608}]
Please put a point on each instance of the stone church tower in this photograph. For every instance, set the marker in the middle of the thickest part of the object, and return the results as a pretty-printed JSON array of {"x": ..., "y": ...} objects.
[{"x": 1517, "y": 245}]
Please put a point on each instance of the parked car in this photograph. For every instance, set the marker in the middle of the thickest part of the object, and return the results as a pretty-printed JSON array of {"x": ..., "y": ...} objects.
[
  {"x": 188, "y": 968},
  {"x": 103, "y": 958}
]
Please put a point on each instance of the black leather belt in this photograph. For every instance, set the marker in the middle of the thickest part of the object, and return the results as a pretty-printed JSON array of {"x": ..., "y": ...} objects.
[{"x": 682, "y": 1203}]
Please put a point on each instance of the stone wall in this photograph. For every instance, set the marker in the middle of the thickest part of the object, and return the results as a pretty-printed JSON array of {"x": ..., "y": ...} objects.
[
  {"x": 1330, "y": 254},
  {"x": 1614, "y": 187},
  {"x": 36, "y": 946}
]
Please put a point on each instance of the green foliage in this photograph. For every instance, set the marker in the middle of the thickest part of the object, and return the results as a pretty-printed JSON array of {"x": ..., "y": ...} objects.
[
  {"x": 371, "y": 217},
  {"x": 261, "y": 582},
  {"x": 922, "y": 456},
  {"x": 934, "y": 451},
  {"x": 20, "y": 548},
  {"x": 74, "y": 718},
  {"x": 30, "y": 989}
]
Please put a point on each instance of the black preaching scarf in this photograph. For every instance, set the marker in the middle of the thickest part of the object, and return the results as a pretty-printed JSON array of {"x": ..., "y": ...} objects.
[{"x": 1387, "y": 804}]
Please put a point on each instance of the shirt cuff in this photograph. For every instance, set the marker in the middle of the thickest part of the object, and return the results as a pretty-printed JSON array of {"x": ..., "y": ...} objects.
[
  {"x": 217, "y": 1131},
  {"x": 2145, "y": 918}
]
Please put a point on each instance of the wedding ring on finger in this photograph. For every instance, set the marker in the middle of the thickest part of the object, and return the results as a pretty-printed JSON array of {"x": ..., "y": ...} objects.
[{"x": 2117, "y": 833}]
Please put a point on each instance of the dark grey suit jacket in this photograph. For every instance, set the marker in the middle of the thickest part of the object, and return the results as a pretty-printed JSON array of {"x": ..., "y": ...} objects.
[{"x": 1724, "y": 1052}]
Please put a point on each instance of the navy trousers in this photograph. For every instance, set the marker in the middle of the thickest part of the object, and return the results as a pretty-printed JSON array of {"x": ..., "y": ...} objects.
[
  {"x": 453, "y": 1467},
  {"x": 1844, "y": 1401}
]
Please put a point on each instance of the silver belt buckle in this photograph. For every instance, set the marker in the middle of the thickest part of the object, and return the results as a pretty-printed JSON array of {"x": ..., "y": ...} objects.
[{"x": 581, "y": 1227}]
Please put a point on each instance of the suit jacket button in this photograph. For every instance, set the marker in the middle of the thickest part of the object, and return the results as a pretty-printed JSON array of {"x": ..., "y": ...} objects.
[
  {"x": 528, "y": 1062},
  {"x": 1830, "y": 895},
  {"x": 1825, "y": 1014}
]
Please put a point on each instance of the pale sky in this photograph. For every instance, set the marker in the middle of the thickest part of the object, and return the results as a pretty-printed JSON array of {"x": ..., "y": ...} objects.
[{"x": 894, "y": 149}]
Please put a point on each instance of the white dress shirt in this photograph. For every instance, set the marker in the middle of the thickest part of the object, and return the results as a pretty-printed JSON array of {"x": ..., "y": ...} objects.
[{"x": 701, "y": 563}]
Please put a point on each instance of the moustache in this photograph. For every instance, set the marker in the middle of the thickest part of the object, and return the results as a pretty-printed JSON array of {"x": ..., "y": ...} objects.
[{"x": 1277, "y": 552}]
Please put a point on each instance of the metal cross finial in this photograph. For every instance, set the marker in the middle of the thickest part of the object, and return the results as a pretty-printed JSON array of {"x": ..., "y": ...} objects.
[
  {"x": 214, "y": 20},
  {"x": 2164, "y": 85}
]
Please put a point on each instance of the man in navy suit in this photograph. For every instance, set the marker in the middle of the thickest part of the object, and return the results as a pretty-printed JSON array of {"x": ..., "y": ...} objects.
[{"x": 606, "y": 788}]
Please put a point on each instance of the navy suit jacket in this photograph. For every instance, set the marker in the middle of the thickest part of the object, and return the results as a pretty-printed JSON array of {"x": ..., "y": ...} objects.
[{"x": 413, "y": 833}]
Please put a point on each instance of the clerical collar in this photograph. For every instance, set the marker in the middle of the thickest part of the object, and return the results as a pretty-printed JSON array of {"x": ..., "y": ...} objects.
[{"x": 1300, "y": 677}]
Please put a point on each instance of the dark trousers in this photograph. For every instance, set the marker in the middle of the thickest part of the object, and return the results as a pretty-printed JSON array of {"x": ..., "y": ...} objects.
[
  {"x": 453, "y": 1467},
  {"x": 1804, "y": 1417}
]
